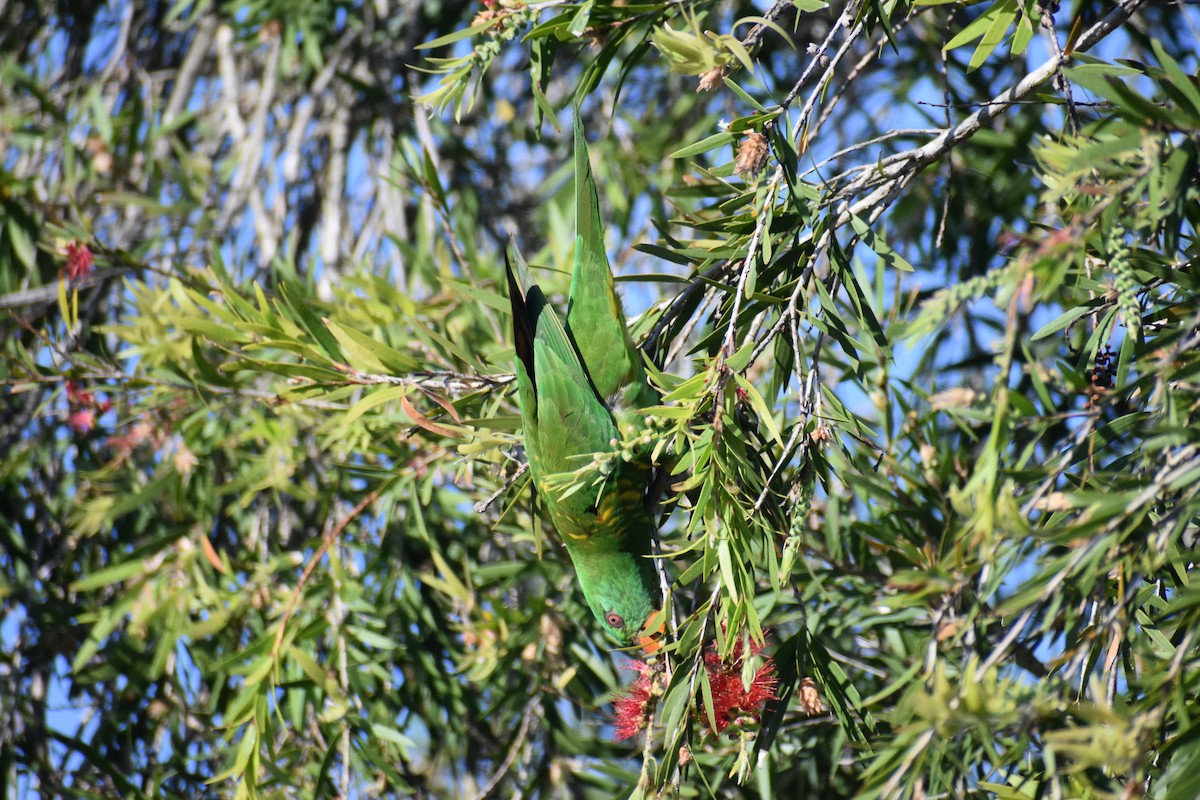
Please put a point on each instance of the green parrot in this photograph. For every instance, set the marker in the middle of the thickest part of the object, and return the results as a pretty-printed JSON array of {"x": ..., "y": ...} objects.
[{"x": 579, "y": 387}]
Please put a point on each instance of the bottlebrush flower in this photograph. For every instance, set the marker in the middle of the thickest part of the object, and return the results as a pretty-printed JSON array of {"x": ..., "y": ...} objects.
[
  {"x": 712, "y": 78},
  {"x": 732, "y": 699},
  {"x": 185, "y": 459},
  {"x": 81, "y": 420},
  {"x": 810, "y": 697},
  {"x": 134, "y": 436},
  {"x": 79, "y": 261},
  {"x": 631, "y": 711},
  {"x": 83, "y": 408},
  {"x": 77, "y": 396},
  {"x": 752, "y": 155}
]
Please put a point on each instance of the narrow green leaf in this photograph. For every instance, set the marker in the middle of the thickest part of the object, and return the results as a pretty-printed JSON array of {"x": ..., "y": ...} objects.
[
  {"x": 310, "y": 321},
  {"x": 579, "y": 22},
  {"x": 704, "y": 145},
  {"x": 372, "y": 354},
  {"x": 455, "y": 36},
  {"x": 760, "y": 408},
  {"x": 21, "y": 243},
  {"x": 1062, "y": 321},
  {"x": 371, "y": 400},
  {"x": 116, "y": 573},
  {"x": 978, "y": 26},
  {"x": 1178, "y": 78},
  {"x": 313, "y": 670},
  {"x": 371, "y": 639},
  {"x": 994, "y": 35}
]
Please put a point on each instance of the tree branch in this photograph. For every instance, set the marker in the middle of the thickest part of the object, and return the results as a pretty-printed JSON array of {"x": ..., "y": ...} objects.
[{"x": 895, "y": 171}]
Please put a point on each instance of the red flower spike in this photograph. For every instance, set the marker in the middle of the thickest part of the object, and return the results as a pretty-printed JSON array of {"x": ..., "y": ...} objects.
[
  {"x": 81, "y": 420},
  {"x": 732, "y": 699},
  {"x": 83, "y": 408},
  {"x": 79, "y": 261},
  {"x": 631, "y": 711}
]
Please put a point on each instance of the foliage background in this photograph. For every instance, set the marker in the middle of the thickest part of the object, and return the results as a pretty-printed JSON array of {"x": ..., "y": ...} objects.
[{"x": 930, "y": 377}]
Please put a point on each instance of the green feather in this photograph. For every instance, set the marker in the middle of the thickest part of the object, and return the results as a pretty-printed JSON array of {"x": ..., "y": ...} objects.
[
  {"x": 594, "y": 315},
  {"x": 578, "y": 386}
]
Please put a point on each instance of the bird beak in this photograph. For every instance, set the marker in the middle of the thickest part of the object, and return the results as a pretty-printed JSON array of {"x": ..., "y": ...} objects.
[{"x": 650, "y": 637}]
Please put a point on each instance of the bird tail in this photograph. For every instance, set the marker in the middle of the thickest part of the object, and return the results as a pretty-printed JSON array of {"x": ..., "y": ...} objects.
[{"x": 595, "y": 319}]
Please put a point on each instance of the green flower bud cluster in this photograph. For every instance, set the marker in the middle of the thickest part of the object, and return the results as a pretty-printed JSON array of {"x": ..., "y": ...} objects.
[
  {"x": 1125, "y": 282},
  {"x": 690, "y": 52},
  {"x": 976, "y": 287}
]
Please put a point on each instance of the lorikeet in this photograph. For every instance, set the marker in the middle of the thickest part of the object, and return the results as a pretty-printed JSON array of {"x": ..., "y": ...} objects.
[{"x": 579, "y": 387}]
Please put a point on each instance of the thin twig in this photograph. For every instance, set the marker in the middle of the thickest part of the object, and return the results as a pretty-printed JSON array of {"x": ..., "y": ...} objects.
[
  {"x": 816, "y": 53},
  {"x": 761, "y": 27},
  {"x": 326, "y": 543},
  {"x": 892, "y": 134},
  {"x": 485, "y": 504},
  {"x": 1000, "y": 650},
  {"x": 513, "y": 749},
  {"x": 49, "y": 293},
  {"x": 826, "y": 77},
  {"x": 699, "y": 283},
  {"x": 892, "y": 787},
  {"x": 450, "y": 382},
  {"x": 896, "y": 171}
]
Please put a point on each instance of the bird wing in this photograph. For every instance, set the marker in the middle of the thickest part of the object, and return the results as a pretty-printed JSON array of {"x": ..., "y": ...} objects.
[{"x": 595, "y": 319}]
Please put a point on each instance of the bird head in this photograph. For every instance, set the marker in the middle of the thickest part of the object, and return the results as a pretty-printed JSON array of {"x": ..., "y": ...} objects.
[{"x": 623, "y": 601}]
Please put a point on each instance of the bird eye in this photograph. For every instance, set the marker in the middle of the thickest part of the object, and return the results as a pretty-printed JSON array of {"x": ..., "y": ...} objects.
[{"x": 614, "y": 619}]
